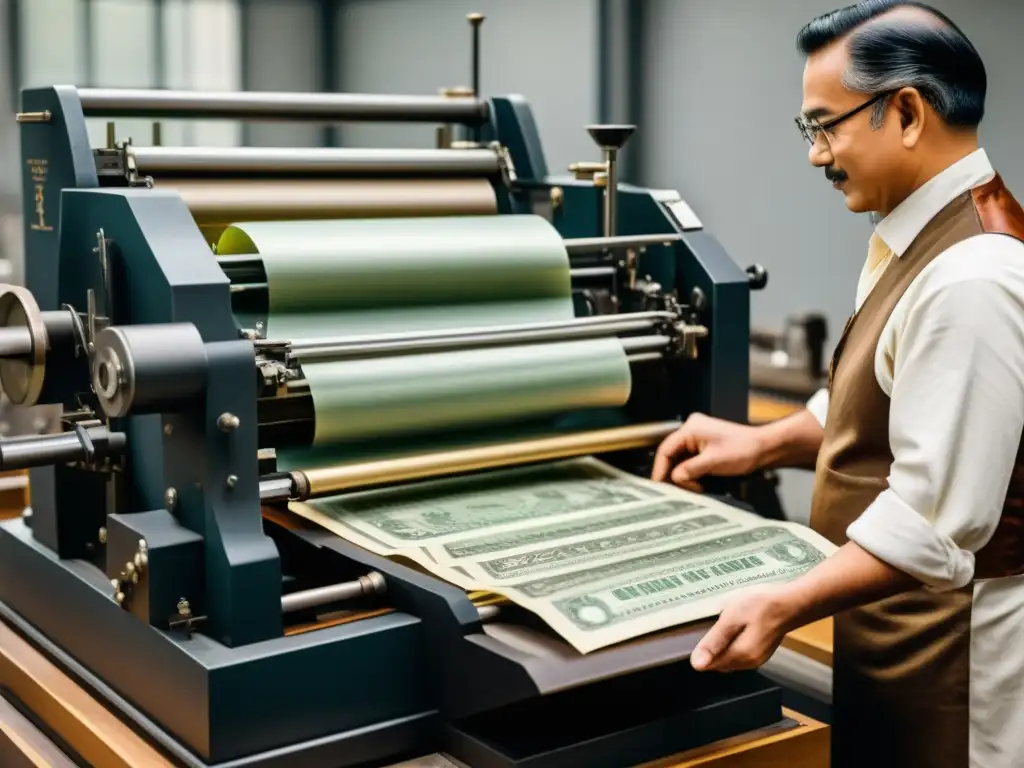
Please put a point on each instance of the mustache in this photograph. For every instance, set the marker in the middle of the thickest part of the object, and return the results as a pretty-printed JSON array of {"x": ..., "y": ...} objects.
[{"x": 835, "y": 174}]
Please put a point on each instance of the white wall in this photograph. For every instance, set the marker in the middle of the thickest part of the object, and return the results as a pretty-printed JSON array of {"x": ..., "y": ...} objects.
[
  {"x": 284, "y": 55},
  {"x": 542, "y": 49}
]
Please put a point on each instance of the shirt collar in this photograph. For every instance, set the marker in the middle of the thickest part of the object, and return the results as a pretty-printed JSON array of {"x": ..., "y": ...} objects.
[{"x": 904, "y": 224}]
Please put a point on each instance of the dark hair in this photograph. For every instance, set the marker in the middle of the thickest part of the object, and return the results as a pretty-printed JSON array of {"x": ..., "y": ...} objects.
[{"x": 888, "y": 54}]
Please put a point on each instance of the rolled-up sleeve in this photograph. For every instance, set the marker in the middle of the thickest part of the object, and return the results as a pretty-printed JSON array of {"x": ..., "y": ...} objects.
[
  {"x": 818, "y": 405},
  {"x": 955, "y": 421}
]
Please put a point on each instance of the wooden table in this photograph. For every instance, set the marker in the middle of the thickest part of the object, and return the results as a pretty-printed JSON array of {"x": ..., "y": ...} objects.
[
  {"x": 801, "y": 743},
  {"x": 764, "y": 409},
  {"x": 13, "y": 493},
  {"x": 813, "y": 641}
]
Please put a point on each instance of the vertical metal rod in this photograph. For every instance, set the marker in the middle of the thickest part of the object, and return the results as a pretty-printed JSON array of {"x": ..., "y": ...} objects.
[
  {"x": 611, "y": 191},
  {"x": 475, "y": 20}
]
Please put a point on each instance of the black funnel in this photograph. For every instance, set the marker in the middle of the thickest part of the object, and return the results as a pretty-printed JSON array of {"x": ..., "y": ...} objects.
[{"x": 611, "y": 136}]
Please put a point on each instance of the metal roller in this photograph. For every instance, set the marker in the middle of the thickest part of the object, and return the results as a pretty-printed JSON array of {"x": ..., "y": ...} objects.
[
  {"x": 23, "y": 373},
  {"x": 215, "y": 204},
  {"x": 581, "y": 246},
  {"x": 358, "y": 351},
  {"x": 577, "y": 328},
  {"x": 315, "y": 160},
  {"x": 315, "y": 483},
  {"x": 371, "y": 584},
  {"x": 148, "y": 368},
  {"x": 83, "y": 444},
  {"x": 272, "y": 106}
]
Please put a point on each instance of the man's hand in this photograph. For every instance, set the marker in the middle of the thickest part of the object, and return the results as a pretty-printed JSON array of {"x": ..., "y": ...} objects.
[
  {"x": 713, "y": 447},
  {"x": 748, "y": 631},
  {"x": 754, "y": 621},
  {"x": 706, "y": 446}
]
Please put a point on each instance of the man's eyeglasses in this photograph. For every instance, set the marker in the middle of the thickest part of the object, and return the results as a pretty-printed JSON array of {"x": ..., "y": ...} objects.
[{"x": 811, "y": 129}]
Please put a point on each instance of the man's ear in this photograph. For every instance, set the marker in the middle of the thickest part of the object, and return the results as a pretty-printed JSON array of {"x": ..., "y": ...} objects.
[{"x": 913, "y": 114}]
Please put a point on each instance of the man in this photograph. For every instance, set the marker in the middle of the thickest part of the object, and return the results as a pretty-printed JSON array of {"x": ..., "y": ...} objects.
[{"x": 917, "y": 439}]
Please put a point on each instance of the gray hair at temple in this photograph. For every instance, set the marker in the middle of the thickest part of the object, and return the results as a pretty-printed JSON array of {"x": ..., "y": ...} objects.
[{"x": 925, "y": 50}]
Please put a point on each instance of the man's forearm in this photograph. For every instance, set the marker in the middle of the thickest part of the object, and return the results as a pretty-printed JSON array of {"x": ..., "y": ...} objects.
[
  {"x": 850, "y": 578},
  {"x": 791, "y": 442}
]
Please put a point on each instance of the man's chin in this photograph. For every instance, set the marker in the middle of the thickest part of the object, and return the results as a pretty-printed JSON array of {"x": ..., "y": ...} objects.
[{"x": 855, "y": 203}]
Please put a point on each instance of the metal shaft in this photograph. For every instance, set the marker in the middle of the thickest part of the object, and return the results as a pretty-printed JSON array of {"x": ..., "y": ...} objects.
[
  {"x": 581, "y": 246},
  {"x": 46, "y": 450},
  {"x": 317, "y": 107},
  {"x": 611, "y": 191},
  {"x": 607, "y": 323},
  {"x": 483, "y": 341},
  {"x": 15, "y": 342},
  {"x": 247, "y": 274},
  {"x": 315, "y": 483},
  {"x": 371, "y": 583},
  {"x": 275, "y": 488},
  {"x": 475, "y": 20},
  {"x": 590, "y": 273},
  {"x": 315, "y": 160}
]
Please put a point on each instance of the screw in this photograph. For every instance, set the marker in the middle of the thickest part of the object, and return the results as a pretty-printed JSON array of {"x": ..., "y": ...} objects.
[
  {"x": 103, "y": 535},
  {"x": 232, "y": 481},
  {"x": 170, "y": 499},
  {"x": 227, "y": 422},
  {"x": 168, "y": 429}
]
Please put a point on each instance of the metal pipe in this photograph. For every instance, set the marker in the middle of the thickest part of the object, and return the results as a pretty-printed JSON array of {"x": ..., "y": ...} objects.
[
  {"x": 273, "y": 488},
  {"x": 584, "y": 245},
  {"x": 15, "y": 342},
  {"x": 355, "y": 352},
  {"x": 584, "y": 273},
  {"x": 247, "y": 278},
  {"x": 370, "y": 584},
  {"x": 46, "y": 450},
  {"x": 611, "y": 192},
  {"x": 317, "y": 160},
  {"x": 608, "y": 324},
  {"x": 475, "y": 20},
  {"x": 271, "y": 106},
  {"x": 325, "y": 481}
]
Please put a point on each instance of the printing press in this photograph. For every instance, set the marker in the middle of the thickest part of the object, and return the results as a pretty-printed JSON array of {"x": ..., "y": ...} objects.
[{"x": 159, "y": 567}]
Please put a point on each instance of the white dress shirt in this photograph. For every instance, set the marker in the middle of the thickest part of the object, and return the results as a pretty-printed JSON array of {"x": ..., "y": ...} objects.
[{"x": 951, "y": 360}]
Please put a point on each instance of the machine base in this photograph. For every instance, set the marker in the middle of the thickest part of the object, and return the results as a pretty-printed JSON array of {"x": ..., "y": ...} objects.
[{"x": 308, "y": 698}]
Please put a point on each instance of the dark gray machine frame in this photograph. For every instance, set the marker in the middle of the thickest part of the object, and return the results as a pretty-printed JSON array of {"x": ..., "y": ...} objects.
[{"x": 421, "y": 678}]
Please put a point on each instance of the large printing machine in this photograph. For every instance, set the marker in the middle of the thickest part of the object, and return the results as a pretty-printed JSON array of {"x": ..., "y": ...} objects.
[{"x": 159, "y": 569}]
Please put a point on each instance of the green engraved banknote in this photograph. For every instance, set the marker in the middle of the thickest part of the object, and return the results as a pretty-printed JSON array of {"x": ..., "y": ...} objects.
[{"x": 600, "y": 555}]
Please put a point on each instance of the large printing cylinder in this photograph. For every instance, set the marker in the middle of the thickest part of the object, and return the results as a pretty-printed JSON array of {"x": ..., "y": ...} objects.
[
  {"x": 221, "y": 186},
  {"x": 217, "y": 203},
  {"x": 358, "y": 279}
]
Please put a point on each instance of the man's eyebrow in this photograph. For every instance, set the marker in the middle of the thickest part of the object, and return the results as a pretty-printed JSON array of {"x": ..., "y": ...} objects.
[{"x": 816, "y": 113}]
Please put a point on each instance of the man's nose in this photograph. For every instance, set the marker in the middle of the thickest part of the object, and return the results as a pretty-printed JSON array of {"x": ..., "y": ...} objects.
[{"x": 820, "y": 154}]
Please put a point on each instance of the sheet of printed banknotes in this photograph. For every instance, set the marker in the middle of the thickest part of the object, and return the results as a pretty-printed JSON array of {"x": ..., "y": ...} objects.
[{"x": 599, "y": 555}]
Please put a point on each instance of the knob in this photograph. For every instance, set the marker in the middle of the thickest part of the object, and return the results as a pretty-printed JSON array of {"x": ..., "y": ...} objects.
[
  {"x": 758, "y": 277},
  {"x": 610, "y": 136}
]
